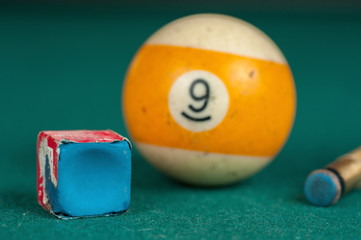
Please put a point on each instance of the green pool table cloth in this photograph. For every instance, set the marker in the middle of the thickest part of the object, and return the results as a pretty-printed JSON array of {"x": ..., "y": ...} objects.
[{"x": 63, "y": 68}]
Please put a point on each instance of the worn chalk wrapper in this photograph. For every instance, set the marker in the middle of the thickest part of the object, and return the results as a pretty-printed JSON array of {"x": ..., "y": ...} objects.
[{"x": 83, "y": 173}]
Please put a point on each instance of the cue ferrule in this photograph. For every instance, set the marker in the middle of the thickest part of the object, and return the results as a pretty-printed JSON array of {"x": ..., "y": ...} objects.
[{"x": 348, "y": 167}]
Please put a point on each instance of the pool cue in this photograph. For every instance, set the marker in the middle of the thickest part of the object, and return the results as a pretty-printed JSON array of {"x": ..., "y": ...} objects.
[{"x": 324, "y": 187}]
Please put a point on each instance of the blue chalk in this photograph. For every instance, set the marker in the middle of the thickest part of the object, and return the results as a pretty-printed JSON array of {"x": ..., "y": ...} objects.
[
  {"x": 322, "y": 188},
  {"x": 93, "y": 179}
]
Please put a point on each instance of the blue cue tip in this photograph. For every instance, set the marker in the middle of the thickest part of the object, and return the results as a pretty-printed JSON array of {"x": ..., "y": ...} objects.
[{"x": 323, "y": 188}]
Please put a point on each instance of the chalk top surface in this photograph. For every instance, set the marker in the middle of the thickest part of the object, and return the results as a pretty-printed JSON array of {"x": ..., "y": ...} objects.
[
  {"x": 322, "y": 188},
  {"x": 85, "y": 136}
]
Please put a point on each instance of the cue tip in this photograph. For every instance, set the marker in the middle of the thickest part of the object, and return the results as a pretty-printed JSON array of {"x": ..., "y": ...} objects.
[{"x": 323, "y": 188}]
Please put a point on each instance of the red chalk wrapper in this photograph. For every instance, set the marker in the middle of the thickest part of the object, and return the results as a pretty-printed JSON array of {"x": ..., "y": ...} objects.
[{"x": 83, "y": 173}]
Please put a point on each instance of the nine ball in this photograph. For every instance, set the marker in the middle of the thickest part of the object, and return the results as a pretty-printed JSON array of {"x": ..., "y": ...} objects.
[{"x": 209, "y": 99}]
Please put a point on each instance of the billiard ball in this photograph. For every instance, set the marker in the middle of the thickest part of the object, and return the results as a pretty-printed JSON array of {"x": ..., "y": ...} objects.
[{"x": 209, "y": 99}]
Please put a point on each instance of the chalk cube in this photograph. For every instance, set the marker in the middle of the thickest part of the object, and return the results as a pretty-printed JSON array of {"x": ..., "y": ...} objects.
[{"x": 83, "y": 173}]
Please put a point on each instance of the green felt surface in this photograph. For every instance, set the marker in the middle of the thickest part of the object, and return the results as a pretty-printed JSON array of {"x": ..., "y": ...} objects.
[{"x": 63, "y": 69}]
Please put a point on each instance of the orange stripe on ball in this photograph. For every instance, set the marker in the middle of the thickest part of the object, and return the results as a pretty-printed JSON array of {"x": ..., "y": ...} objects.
[{"x": 261, "y": 108}]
